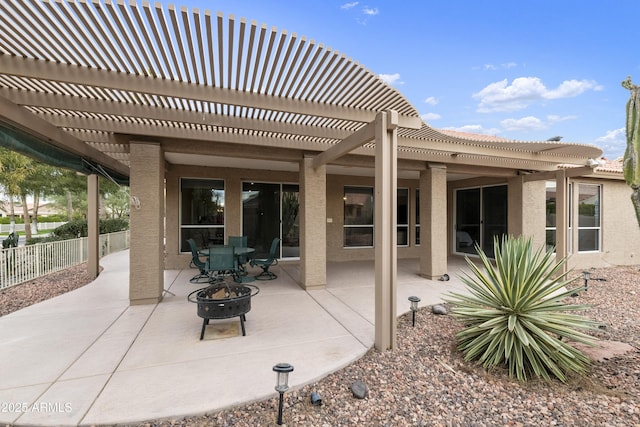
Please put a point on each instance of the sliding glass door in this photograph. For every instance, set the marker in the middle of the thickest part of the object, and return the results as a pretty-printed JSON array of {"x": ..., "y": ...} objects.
[
  {"x": 271, "y": 210},
  {"x": 481, "y": 215}
]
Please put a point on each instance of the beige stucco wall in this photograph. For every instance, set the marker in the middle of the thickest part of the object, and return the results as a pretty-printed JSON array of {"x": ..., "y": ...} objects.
[
  {"x": 335, "y": 219},
  {"x": 233, "y": 178},
  {"x": 529, "y": 211},
  {"x": 620, "y": 232},
  {"x": 620, "y": 229}
]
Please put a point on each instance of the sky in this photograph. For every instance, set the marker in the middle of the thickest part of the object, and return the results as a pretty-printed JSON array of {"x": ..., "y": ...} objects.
[{"x": 525, "y": 70}]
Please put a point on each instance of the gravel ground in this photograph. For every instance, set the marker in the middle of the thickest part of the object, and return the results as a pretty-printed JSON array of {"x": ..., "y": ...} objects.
[
  {"x": 425, "y": 382},
  {"x": 42, "y": 288}
]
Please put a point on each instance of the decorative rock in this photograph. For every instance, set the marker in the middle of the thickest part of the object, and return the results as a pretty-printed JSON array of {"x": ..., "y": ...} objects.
[
  {"x": 438, "y": 309},
  {"x": 359, "y": 389}
]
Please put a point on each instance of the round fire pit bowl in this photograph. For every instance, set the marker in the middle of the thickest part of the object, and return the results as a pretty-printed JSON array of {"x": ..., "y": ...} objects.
[{"x": 223, "y": 301}]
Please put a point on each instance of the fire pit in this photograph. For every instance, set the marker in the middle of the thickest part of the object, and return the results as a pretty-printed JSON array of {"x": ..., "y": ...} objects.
[{"x": 223, "y": 301}]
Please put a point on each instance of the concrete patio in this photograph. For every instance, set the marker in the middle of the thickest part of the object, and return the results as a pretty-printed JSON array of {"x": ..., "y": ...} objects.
[{"x": 87, "y": 357}]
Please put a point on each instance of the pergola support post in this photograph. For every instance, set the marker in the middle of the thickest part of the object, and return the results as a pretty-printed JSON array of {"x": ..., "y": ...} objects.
[
  {"x": 93, "y": 227},
  {"x": 385, "y": 202},
  {"x": 562, "y": 189}
]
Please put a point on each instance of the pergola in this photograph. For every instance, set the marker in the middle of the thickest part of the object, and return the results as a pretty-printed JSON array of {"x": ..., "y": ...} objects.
[{"x": 98, "y": 85}]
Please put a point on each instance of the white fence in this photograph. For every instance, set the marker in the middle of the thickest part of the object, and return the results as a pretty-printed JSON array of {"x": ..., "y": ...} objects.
[
  {"x": 24, "y": 263},
  {"x": 6, "y": 228}
]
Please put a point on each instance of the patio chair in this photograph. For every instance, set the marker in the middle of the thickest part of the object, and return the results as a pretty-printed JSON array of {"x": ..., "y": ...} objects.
[
  {"x": 267, "y": 262},
  {"x": 203, "y": 276},
  {"x": 221, "y": 263},
  {"x": 240, "y": 242}
]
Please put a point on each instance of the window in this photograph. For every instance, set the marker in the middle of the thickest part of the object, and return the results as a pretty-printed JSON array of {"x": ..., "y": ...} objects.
[
  {"x": 358, "y": 216},
  {"x": 550, "y": 224},
  {"x": 402, "y": 219},
  {"x": 551, "y": 218},
  {"x": 201, "y": 212},
  {"x": 417, "y": 217},
  {"x": 588, "y": 218}
]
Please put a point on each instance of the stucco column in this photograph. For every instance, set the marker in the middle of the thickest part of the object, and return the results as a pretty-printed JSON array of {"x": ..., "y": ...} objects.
[
  {"x": 562, "y": 188},
  {"x": 93, "y": 227},
  {"x": 233, "y": 207},
  {"x": 313, "y": 225},
  {"x": 433, "y": 221},
  {"x": 515, "y": 212},
  {"x": 146, "y": 256},
  {"x": 386, "y": 263}
]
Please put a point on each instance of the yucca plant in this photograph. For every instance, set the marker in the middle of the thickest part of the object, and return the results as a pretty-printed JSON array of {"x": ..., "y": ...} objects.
[{"x": 515, "y": 314}]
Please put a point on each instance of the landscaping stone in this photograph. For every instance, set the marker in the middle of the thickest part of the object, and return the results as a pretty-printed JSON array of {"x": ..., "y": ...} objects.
[
  {"x": 439, "y": 309},
  {"x": 359, "y": 389}
]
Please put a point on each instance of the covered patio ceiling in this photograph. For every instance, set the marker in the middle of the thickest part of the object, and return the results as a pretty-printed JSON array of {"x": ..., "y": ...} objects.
[{"x": 90, "y": 76}]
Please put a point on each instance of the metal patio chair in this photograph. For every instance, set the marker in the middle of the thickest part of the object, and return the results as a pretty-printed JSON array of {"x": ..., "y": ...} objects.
[
  {"x": 267, "y": 262},
  {"x": 203, "y": 275},
  {"x": 240, "y": 242},
  {"x": 221, "y": 263}
]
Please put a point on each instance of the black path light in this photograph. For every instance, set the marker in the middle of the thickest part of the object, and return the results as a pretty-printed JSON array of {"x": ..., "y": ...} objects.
[
  {"x": 414, "y": 307},
  {"x": 587, "y": 276},
  {"x": 282, "y": 384}
]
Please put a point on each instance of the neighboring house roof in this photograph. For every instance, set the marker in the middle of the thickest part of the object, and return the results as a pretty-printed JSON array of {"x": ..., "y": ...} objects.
[
  {"x": 43, "y": 209},
  {"x": 116, "y": 72}
]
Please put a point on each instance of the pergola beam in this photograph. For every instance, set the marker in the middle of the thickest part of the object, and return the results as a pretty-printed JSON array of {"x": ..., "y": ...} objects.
[
  {"x": 31, "y": 123},
  {"x": 46, "y": 70},
  {"x": 551, "y": 175},
  {"x": 353, "y": 141}
]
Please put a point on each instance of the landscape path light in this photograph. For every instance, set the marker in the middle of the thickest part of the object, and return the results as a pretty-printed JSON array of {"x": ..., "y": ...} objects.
[
  {"x": 587, "y": 276},
  {"x": 282, "y": 384},
  {"x": 414, "y": 307}
]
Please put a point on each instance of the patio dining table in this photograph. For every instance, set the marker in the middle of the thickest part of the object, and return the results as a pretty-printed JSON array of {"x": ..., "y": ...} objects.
[{"x": 240, "y": 253}]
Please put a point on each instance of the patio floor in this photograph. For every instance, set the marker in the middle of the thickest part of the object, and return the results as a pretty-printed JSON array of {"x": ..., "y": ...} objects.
[{"x": 87, "y": 357}]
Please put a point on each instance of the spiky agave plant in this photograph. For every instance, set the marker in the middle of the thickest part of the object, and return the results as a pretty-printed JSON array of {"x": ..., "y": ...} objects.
[{"x": 515, "y": 316}]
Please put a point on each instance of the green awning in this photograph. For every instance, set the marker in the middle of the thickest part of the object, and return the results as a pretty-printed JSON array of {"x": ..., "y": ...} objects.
[{"x": 44, "y": 152}]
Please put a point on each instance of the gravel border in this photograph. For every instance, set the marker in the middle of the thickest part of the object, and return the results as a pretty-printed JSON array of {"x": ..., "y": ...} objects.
[{"x": 425, "y": 382}]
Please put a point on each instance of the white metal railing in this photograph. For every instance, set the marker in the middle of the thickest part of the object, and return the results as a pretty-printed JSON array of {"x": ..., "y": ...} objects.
[
  {"x": 24, "y": 263},
  {"x": 6, "y": 228}
]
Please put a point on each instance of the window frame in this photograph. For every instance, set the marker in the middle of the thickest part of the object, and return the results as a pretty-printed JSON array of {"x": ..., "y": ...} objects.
[
  {"x": 597, "y": 214},
  {"x": 346, "y": 226},
  {"x": 204, "y": 226},
  {"x": 403, "y": 226}
]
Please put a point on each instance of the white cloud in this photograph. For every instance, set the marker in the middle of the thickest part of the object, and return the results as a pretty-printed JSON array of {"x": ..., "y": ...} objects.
[
  {"x": 493, "y": 67},
  {"x": 349, "y": 5},
  {"x": 502, "y": 96},
  {"x": 613, "y": 143},
  {"x": 431, "y": 100},
  {"x": 555, "y": 119},
  {"x": 571, "y": 89},
  {"x": 614, "y": 135},
  {"x": 391, "y": 79},
  {"x": 430, "y": 116},
  {"x": 524, "y": 123},
  {"x": 475, "y": 129},
  {"x": 531, "y": 123},
  {"x": 370, "y": 11}
]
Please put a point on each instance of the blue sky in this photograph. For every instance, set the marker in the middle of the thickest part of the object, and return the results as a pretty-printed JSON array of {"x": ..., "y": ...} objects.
[{"x": 525, "y": 70}]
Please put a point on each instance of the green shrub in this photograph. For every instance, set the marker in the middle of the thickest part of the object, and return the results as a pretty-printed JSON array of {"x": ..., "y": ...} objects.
[
  {"x": 78, "y": 228},
  {"x": 515, "y": 314},
  {"x": 113, "y": 225},
  {"x": 71, "y": 230}
]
